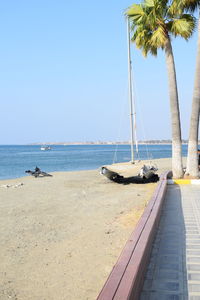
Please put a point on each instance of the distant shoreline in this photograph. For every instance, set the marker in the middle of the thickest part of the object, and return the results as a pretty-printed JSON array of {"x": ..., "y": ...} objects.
[
  {"x": 151, "y": 142},
  {"x": 97, "y": 143}
]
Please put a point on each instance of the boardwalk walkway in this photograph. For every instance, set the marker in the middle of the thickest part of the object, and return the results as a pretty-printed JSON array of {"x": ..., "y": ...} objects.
[{"x": 174, "y": 269}]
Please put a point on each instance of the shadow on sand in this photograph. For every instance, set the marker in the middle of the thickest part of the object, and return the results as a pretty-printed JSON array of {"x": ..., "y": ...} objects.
[{"x": 113, "y": 176}]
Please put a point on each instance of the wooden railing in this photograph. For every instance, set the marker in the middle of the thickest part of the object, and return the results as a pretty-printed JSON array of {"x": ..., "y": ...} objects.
[{"x": 126, "y": 279}]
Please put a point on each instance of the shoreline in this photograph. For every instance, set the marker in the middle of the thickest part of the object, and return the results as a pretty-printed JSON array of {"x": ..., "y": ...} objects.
[{"x": 85, "y": 170}]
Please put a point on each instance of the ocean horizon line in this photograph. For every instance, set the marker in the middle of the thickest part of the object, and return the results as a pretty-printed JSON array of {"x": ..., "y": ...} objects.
[{"x": 158, "y": 142}]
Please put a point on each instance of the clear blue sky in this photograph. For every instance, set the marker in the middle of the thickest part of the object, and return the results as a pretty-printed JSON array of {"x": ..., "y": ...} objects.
[{"x": 63, "y": 74}]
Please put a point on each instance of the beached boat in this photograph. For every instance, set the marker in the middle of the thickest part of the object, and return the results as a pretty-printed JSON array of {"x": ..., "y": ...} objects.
[{"x": 45, "y": 148}]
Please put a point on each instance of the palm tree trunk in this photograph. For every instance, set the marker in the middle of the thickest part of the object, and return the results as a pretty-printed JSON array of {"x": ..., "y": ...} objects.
[
  {"x": 192, "y": 169},
  {"x": 177, "y": 166}
]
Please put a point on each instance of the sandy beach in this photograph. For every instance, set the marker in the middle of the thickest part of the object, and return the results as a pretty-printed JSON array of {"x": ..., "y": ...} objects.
[{"x": 60, "y": 236}]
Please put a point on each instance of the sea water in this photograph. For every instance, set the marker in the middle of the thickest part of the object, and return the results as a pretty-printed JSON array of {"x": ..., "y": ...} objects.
[{"x": 15, "y": 160}]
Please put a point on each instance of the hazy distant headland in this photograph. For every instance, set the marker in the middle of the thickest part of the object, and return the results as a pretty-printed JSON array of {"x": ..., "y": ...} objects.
[{"x": 149, "y": 142}]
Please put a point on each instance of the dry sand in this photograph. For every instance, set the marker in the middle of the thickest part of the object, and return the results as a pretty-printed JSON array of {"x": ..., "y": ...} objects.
[{"x": 60, "y": 236}]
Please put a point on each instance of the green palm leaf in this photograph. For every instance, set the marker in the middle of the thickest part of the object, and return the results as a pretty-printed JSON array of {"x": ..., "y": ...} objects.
[
  {"x": 149, "y": 3},
  {"x": 156, "y": 20},
  {"x": 179, "y": 5},
  {"x": 135, "y": 10},
  {"x": 159, "y": 38},
  {"x": 184, "y": 26}
]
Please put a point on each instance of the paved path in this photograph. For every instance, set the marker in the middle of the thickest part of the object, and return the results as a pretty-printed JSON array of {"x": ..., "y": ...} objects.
[{"x": 174, "y": 269}]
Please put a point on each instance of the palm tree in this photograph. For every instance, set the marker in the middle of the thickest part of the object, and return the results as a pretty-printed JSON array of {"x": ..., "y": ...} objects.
[
  {"x": 153, "y": 24},
  {"x": 192, "y": 169}
]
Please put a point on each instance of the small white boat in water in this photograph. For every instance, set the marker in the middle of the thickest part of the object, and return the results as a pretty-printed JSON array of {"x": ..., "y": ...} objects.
[{"x": 44, "y": 148}]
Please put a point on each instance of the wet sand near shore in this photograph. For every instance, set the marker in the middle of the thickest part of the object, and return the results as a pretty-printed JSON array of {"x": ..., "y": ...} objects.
[{"x": 60, "y": 236}]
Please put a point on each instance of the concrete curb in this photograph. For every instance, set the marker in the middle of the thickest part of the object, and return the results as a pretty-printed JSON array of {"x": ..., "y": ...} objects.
[
  {"x": 183, "y": 181},
  {"x": 126, "y": 279}
]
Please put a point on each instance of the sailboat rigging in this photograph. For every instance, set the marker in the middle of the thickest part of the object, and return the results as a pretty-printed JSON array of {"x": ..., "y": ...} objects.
[
  {"x": 131, "y": 100},
  {"x": 146, "y": 172}
]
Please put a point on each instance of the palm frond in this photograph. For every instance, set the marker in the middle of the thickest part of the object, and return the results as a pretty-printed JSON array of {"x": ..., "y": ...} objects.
[
  {"x": 184, "y": 26},
  {"x": 191, "y": 5},
  {"x": 149, "y": 3},
  {"x": 135, "y": 10},
  {"x": 159, "y": 37},
  {"x": 140, "y": 37},
  {"x": 178, "y": 6},
  {"x": 149, "y": 49},
  {"x": 153, "y": 21}
]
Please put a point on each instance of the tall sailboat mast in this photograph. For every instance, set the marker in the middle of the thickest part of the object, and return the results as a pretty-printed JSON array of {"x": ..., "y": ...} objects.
[{"x": 130, "y": 88}]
